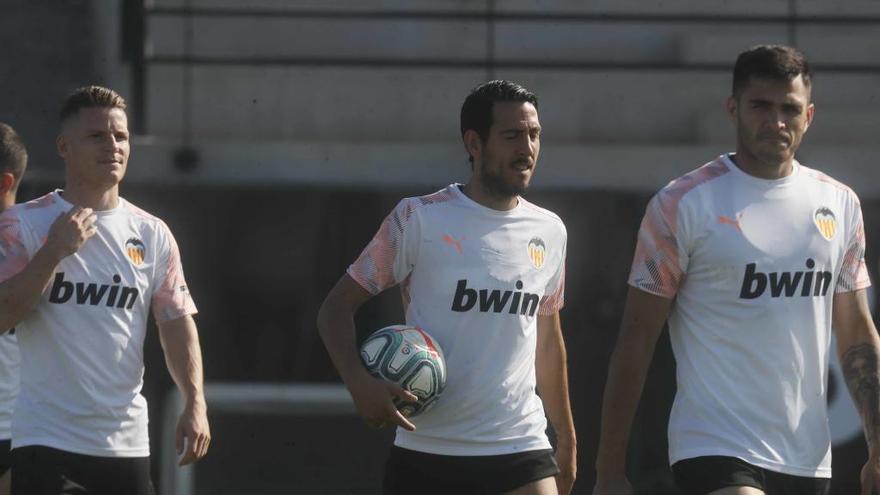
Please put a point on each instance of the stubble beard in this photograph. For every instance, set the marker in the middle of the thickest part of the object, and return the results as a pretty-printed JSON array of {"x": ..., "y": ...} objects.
[
  {"x": 494, "y": 184},
  {"x": 754, "y": 146}
]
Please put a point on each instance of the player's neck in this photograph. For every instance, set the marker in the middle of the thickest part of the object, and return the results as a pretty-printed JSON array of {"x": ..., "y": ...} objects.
[
  {"x": 480, "y": 195},
  {"x": 7, "y": 201},
  {"x": 756, "y": 167},
  {"x": 87, "y": 197}
]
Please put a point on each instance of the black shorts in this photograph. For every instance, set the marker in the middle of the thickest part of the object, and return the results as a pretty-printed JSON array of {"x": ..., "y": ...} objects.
[
  {"x": 702, "y": 475},
  {"x": 5, "y": 460},
  {"x": 39, "y": 470},
  {"x": 408, "y": 472}
]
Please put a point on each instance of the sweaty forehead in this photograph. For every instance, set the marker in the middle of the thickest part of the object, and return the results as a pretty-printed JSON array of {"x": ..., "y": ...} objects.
[{"x": 507, "y": 114}]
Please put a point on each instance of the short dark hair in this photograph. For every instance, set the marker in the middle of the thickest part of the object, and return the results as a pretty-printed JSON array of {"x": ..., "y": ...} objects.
[
  {"x": 13, "y": 154},
  {"x": 779, "y": 62},
  {"x": 90, "y": 97},
  {"x": 476, "y": 112}
]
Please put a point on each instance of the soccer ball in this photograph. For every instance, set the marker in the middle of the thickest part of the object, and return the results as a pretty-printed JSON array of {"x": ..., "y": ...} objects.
[{"x": 411, "y": 358}]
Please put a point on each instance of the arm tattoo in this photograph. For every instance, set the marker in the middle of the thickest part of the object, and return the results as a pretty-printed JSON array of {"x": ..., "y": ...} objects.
[{"x": 860, "y": 368}]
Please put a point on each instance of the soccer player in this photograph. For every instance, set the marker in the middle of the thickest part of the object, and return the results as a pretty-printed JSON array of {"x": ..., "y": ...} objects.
[
  {"x": 79, "y": 270},
  {"x": 482, "y": 271},
  {"x": 13, "y": 162},
  {"x": 746, "y": 256}
]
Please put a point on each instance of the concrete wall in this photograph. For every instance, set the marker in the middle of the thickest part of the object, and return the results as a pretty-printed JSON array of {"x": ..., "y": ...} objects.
[{"x": 336, "y": 78}]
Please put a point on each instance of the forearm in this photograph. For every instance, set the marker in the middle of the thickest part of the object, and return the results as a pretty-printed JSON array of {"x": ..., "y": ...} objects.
[
  {"x": 552, "y": 381},
  {"x": 21, "y": 293},
  {"x": 183, "y": 356},
  {"x": 623, "y": 389},
  {"x": 859, "y": 362},
  {"x": 642, "y": 323},
  {"x": 337, "y": 330}
]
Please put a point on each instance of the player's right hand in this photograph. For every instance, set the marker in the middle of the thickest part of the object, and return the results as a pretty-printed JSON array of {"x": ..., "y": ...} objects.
[
  {"x": 613, "y": 486},
  {"x": 373, "y": 400},
  {"x": 70, "y": 231}
]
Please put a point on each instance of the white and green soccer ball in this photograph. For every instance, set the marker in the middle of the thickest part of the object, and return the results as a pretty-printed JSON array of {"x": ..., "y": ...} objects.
[{"x": 412, "y": 359}]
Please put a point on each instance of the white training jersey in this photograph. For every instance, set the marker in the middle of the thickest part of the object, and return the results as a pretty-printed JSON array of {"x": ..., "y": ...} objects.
[
  {"x": 9, "y": 361},
  {"x": 476, "y": 280},
  {"x": 82, "y": 346},
  {"x": 753, "y": 266}
]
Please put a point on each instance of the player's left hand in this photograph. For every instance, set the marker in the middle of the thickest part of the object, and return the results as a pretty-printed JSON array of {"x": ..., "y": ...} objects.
[
  {"x": 193, "y": 434},
  {"x": 871, "y": 476},
  {"x": 566, "y": 458}
]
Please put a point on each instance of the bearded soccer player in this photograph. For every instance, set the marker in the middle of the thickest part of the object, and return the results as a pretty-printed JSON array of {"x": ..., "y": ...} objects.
[
  {"x": 753, "y": 258},
  {"x": 486, "y": 432},
  {"x": 13, "y": 162},
  {"x": 79, "y": 270}
]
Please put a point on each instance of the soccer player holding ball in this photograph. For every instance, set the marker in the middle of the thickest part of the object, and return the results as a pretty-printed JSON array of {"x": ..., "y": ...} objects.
[
  {"x": 482, "y": 271},
  {"x": 753, "y": 258}
]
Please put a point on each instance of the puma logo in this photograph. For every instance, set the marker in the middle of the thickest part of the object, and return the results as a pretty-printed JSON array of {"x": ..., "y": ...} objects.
[
  {"x": 452, "y": 241},
  {"x": 727, "y": 220}
]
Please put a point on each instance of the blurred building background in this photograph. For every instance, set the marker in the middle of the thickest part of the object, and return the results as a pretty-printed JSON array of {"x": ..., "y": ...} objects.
[{"x": 274, "y": 135}]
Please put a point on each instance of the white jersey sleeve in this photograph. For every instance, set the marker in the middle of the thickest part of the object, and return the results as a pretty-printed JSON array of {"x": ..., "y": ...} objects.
[
  {"x": 661, "y": 257},
  {"x": 171, "y": 297},
  {"x": 554, "y": 294},
  {"x": 853, "y": 271},
  {"x": 13, "y": 252},
  {"x": 390, "y": 256}
]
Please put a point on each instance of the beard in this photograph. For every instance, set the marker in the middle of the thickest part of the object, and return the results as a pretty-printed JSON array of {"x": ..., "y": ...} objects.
[
  {"x": 758, "y": 146},
  {"x": 493, "y": 181}
]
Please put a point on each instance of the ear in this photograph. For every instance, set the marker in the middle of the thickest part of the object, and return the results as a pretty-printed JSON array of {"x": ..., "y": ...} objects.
[
  {"x": 472, "y": 143},
  {"x": 7, "y": 181},
  {"x": 61, "y": 145},
  {"x": 811, "y": 110},
  {"x": 731, "y": 107}
]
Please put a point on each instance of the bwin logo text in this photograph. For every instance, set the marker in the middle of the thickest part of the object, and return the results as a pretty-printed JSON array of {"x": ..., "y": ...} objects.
[
  {"x": 93, "y": 294},
  {"x": 494, "y": 301},
  {"x": 785, "y": 284}
]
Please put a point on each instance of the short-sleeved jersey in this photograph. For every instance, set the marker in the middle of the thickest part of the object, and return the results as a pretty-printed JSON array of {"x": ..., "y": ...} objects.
[
  {"x": 82, "y": 346},
  {"x": 9, "y": 362},
  {"x": 753, "y": 266},
  {"x": 476, "y": 280}
]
